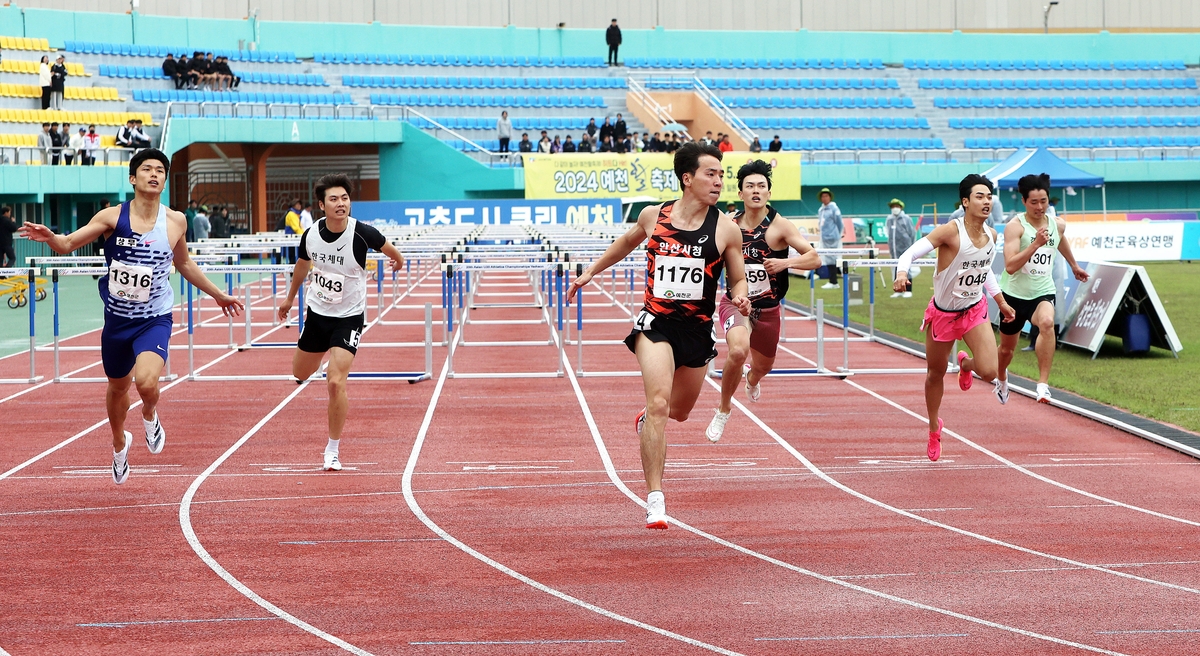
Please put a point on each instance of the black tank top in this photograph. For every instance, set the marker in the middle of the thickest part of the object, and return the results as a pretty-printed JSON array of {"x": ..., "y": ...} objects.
[
  {"x": 683, "y": 267},
  {"x": 754, "y": 250}
]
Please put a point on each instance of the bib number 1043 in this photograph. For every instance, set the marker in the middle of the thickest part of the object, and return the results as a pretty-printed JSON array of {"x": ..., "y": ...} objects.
[{"x": 679, "y": 278}]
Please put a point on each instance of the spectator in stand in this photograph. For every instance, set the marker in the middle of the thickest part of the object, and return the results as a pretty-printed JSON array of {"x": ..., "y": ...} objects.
[
  {"x": 125, "y": 135},
  {"x": 139, "y": 138},
  {"x": 291, "y": 219},
  {"x": 201, "y": 226},
  {"x": 198, "y": 69},
  {"x": 214, "y": 77},
  {"x": 673, "y": 144},
  {"x": 187, "y": 77},
  {"x": 306, "y": 219},
  {"x": 91, "y": 143},
  {"x": 591, "y": 128},
  {"x": 220, "y": 225},
  {"x": 544, "y": 143},
  {"x": 585, "y": 143},
  {"x": 606, "y": 130},
  {"x": 504, "y": 131},
  {"x": 170, "y": 68},
  {"x": 8, "y": 257},
  {"x": 223, "y": 215},
  {"x": 707, "y": 139},
  {"x": 620, "y": 130},
  {"x": 232, "y": 81},
  {"x": 45, "y": 81},
  {"x": 568, "y": 145},
  {"x": 612, "y": 36},
  {"x": 776, "y": 145},
  {"x": 556, "y": 145},
  {"x": 639, "y": 142},
  {"x": 56, "y": 142},
  {"x": 78, "y": 145},
  {"x": 725, "y": 146},
  {"x": 525, "y": 145},
  {"x": 46, "y": 143},
  {"x": 64, "y": 134},
  {"x": 755, "y": 146},
  {"x": 607, "y": 146},
  {"x": 653, "y": 143},
  {"x": 190, "y": 214},
  {"x": 58, "y": 82}
]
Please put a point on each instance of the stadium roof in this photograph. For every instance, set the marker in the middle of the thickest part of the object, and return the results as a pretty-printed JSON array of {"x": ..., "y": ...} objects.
[{"x": 1033, "y": 162}]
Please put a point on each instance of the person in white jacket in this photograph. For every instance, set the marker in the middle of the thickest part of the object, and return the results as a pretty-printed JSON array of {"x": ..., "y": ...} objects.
[
  {"x": 78, "y": 146},
  {"x": 44, "y": 80}
]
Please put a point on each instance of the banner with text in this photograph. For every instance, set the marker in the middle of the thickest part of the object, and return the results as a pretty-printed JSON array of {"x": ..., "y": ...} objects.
[
  {"x": 1126, "y": 242},
  {"x": 451, "y": 212},
  {"x": 623, "y": 175}
]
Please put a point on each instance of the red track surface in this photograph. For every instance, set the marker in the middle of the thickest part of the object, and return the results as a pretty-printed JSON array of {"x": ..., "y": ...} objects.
[{"x": 493, "y": 516}]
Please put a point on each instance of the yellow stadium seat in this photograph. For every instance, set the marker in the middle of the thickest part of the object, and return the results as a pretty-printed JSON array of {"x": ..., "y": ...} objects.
[
  {"x": 44, "y": 44},
  {"x": 25, "y": 43},
  {"x": 6, "y": 42},
  {"x": 108, "y": 140}
]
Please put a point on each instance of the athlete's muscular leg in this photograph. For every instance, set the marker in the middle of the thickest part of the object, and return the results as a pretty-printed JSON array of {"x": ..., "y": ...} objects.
[
  {"x": 760, "y": 365},
  {"x": 936, "y": 355},
  {"x": 685, "y": 389},
  {"x": 146, "y": 370},
  {"x": 336, "y": 374},
  {"x": 1004, "y": 355},
  {"x": 657, "y": 363},
  {"x": 116, "y": 401},
  {"x": 738, "y": 340},
  {"x": 1043, "y": 318},
  {"x": 305, "y": 364},
  {"x": 982, "y": 342}
]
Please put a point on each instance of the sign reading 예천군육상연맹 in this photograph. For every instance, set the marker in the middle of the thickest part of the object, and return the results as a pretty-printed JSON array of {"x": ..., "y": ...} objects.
[
  {"x": 453, "y": 212},
  {"x": 623, "y": 175}
]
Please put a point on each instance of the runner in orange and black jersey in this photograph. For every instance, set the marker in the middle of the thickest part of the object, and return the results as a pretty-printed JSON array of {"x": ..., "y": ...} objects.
[
  {"x": 755, "y": 250},
  {"x": 667, "y": 276}
]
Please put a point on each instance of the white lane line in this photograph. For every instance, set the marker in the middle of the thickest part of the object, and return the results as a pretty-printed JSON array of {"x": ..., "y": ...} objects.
[
  {"x": 608, "y": 465},
  {"x": 121, "y": 625},
  {"x": 411, "y": 499},
  {"x": 925, "y": 520},
  {"x": 869, "y": 637},
  {"x": 185, "y": 522}
]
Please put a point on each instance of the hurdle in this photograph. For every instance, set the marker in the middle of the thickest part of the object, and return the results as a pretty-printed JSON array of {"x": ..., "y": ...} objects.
[{"x": 31, "y": 273}]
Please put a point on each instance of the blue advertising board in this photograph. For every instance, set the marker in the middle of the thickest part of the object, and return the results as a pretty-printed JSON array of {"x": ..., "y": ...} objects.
[
  {"x": 1191, "y": 241},
  {"x": 520, "y": 211}
]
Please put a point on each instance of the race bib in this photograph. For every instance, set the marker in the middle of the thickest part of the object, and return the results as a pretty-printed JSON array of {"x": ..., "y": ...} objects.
[
  {"x": 642, "y": 322},
  {"x": 969, "y": 284},
  {"x": 129, "y": 282},
  {"x": 757, "y": 280},
  {"x": 1040, "y": 263},
  {"x": 327, "y": 286},
  {"x": 679, "y": 278}
]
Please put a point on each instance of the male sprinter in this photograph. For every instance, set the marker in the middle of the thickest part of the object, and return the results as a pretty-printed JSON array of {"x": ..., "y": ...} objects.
[
  {"x": 766, "y": 237},
  {"x": 690, "y": 243},
  {"x": 337, "y": 297},
  {"x": 966, "y": 248},
  {"x": 1030, "y": 240},
  {"x": 142, "y": 239}
]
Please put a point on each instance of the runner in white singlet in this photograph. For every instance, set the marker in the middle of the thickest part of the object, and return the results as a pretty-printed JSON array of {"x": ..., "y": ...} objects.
[{"x": 958, "y": 309}]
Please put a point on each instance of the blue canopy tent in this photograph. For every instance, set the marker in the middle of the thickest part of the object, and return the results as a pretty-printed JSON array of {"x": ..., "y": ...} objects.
[{"x": 1033, "y": 162}]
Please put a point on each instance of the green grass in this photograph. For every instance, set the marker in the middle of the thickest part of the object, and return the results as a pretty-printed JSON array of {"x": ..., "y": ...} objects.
[{"x": 1155, "y": 385}]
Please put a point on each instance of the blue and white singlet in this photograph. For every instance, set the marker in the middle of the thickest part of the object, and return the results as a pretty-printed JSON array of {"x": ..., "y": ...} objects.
[{"x": 138, "y": 284}]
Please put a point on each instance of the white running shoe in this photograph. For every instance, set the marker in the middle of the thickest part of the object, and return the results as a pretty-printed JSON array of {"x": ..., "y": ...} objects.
[
  {"x": 332, "y": 463},
  {"x": 752, "y": 391},
  {"x": 829, "y": 285},
  {"x": 897, "y": 294},
  {"x": 1000, "y": 389},
  {"x": 120, "y": 468},
  {"x": 656, "y": 511},
  {"x": 156, "y": 437},
  {"x": 716, "y": 427},
  {"x": 906, "y": 295},
  {"x": 1043, "y": 393}
]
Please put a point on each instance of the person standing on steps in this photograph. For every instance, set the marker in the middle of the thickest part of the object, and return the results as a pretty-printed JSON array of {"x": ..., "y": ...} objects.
[{"x": 612, "y": 36}]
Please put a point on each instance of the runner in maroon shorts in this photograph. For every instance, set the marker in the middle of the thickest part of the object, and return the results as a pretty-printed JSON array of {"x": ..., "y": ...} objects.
[
  {"x": 958, "y": 310},
  {"x": 766, "y": 237}
]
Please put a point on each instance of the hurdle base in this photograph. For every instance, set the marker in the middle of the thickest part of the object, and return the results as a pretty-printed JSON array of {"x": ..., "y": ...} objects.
[{"x": 21, "y": 381}]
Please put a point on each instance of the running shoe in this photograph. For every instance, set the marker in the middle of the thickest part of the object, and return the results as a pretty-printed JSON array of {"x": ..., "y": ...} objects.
[
  {"x": 752, "y": 391},
  {"x": 656, "y": 511},
  {"x": 829, "y": 285},
  {"x": 332, "y": 463},
  {"x": 716, "y": 427},
  {"x": 906, "y": 295},
  {"x": 897, "y": 294},
  {"x": 964, "y": 376},
  {"x": 156, "y": 437},
  {"x": 120, "y": 468},
  {"x": 639, "y": 421},
  {"x": 1043, "y": 393},
  {"x": 1000, "y": 389},
  {"x": 934, "y": 450}
]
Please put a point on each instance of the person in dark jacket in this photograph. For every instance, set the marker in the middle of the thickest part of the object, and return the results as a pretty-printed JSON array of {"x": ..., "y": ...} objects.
[
  {"x": 591, "y": 128},
  {"x": 568, "y": 145},
  {"x": 56, "y": 142},
  {"x": 585, "y": 143},
  {"x": 8, "y": 257},
  {"x": 525, "y": 145},
  {"x": 58, "y": 82},
  {"x": 776, "y": 145},
  {"x": 170, "y": 68},
  {"x": 198, "y": 68},
  {"x": 613, "y": 37},
  {"x": 606, "y": 130},
  {"x": 620, "y": 130}
]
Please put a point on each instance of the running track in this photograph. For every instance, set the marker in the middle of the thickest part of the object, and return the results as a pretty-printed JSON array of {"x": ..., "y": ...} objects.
[{"x": 501, "y": 516}]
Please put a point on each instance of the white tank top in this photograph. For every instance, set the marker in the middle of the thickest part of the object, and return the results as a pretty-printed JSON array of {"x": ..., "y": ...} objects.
[
  {"x": 337, "y": 285},
  {"x": 960, "y": 285}
]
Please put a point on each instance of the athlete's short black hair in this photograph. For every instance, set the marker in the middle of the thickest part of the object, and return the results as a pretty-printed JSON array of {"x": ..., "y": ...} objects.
[
  {"x": 687, "y": 158},
  {"x": 330, "y": 181},
  {"x": 968, "y": 183},
  {"x": 757, "y": 167},
  {"x": 1030, "y": 183},
  {"x": 149, "y": 153}
]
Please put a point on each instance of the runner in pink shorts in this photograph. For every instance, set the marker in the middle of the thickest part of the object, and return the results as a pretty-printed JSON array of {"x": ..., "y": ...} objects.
[
  {"x": 766, "y": 238},
  {"x": 958, "y": 310}
]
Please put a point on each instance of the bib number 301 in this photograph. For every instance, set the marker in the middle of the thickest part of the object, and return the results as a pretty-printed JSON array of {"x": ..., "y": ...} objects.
[
  {"x": 679, "y": 278},
  {"x": 1040, "y": 262},
  {"x": 130, "y": 282}
]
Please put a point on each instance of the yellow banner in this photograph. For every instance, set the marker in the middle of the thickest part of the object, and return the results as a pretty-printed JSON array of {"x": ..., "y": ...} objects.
[{"x": 566, "y": 176}]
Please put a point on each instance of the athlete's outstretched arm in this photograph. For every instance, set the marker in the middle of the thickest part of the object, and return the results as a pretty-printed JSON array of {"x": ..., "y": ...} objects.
[
  {"x": 619, "y": 249},
  {"x": 807, "y": 259},
  {"x": 729, "y": 237},
  {"x": 1014, "y": 257},
  {"x": 187, "y": 268},
  {"x": 104, "y": 221},
  {"x": 1064, "y": 247}
]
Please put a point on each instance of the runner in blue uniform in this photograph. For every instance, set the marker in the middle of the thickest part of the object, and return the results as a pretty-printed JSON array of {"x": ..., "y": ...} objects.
[{"x": 142, "y": 239}]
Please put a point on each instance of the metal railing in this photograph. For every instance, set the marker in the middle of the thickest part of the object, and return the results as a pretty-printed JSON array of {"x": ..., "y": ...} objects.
[
  {"x": 739, "y": 126},
  {"x": 476, "y": 151},
  {"x": 34, "y": 155},
  {"x": 214, "y": 109},
  {"x": 660, "y": 113}
]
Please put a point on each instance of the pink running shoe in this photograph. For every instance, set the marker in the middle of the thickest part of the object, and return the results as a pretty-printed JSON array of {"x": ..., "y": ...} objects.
[
  {"x": 934, "y": 451},
  {"x": 639, "y": 421},
  {"x": 964, "y": 376}
]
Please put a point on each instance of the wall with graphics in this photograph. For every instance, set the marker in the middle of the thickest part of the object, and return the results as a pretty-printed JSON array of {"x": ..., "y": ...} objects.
[{"x": 517, "y": 212}]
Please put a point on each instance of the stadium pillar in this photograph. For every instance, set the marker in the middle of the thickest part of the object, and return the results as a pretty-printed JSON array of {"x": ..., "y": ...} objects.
[{"x": 256, "y": 171}]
